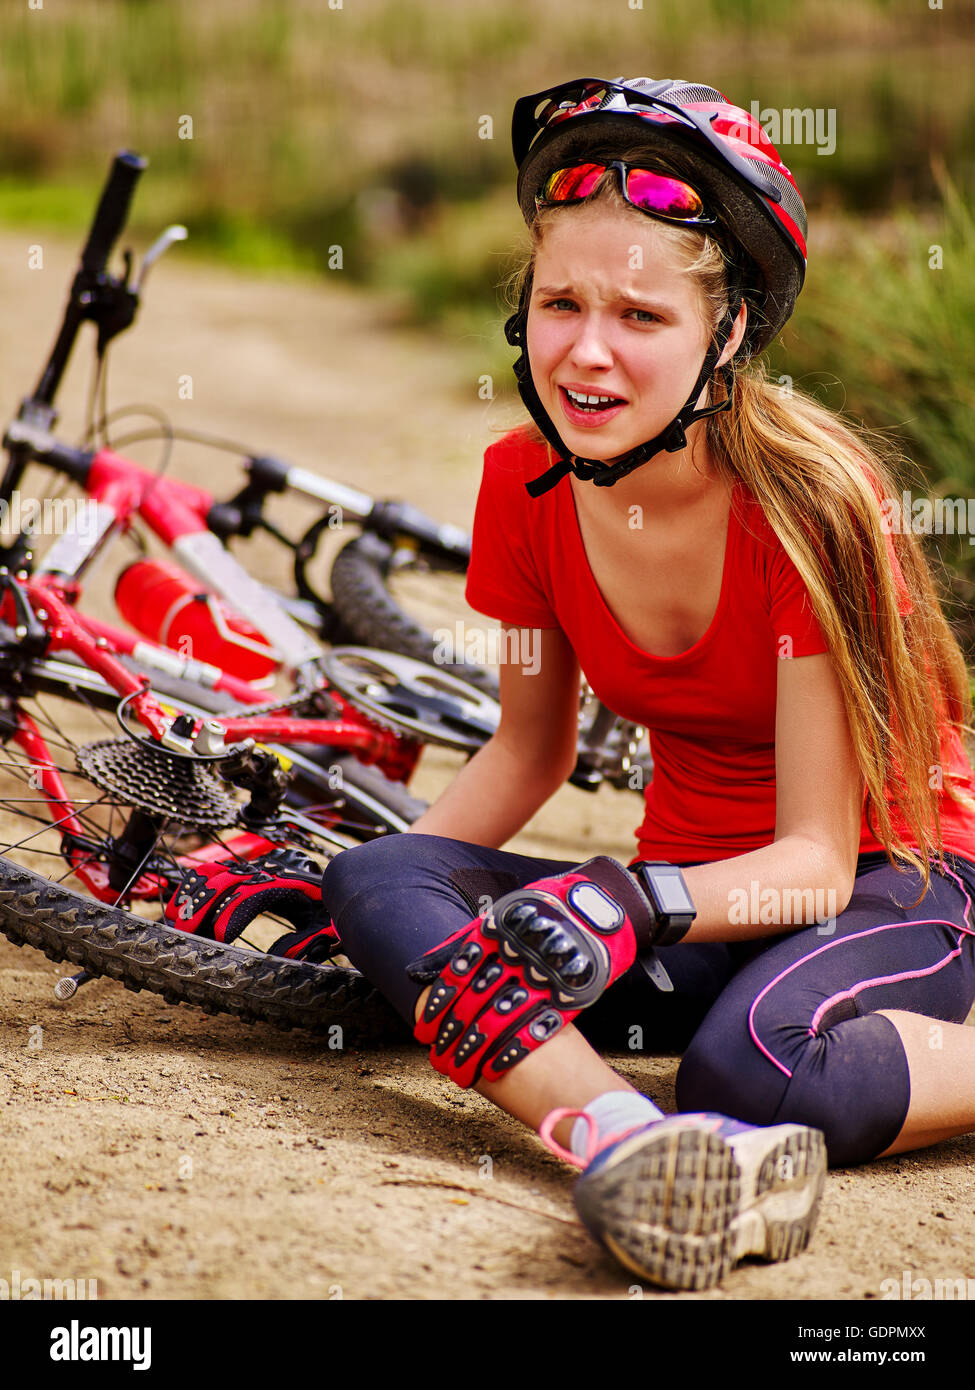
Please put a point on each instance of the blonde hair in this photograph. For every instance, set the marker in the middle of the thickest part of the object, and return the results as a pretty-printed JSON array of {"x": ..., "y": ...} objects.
[{"x": 824, "y": 488}]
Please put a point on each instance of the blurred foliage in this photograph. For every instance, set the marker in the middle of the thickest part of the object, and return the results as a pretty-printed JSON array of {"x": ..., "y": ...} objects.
[
  {"x": 894, "y": 308},
  {"x": 885, "y": 332},
  {"x": 310, "y": 115},
  {"x": 362, "y": 124}
]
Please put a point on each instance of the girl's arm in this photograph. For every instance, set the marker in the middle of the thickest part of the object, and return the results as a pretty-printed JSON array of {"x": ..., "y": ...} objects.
[
  {"x": 807, "y": 873},
  {"x": 530, "y": 756}
]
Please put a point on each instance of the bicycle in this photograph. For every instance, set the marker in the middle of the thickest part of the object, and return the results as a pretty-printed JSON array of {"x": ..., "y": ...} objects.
[
  {"x": 398, "y": 544},
  {"x": 128, "y": 816},
  {"x": 145, "y": 844},
  {"x": 155, "y": 781}
]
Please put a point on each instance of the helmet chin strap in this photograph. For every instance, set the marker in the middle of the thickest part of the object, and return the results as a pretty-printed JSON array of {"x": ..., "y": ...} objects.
[{"x": 671, "y": 439}]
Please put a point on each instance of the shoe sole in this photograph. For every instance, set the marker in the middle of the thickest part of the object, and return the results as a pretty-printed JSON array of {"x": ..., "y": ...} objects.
[
  {"x": 783, "y": 1169},
  {"x": 680, "y": 1208}
]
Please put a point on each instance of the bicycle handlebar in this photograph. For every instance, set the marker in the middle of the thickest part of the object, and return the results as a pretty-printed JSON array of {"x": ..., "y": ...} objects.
[
  {"x": 32, "y": 442},
  {"x": 112, "y": 212},
  {"x": 94, "y": 295}
]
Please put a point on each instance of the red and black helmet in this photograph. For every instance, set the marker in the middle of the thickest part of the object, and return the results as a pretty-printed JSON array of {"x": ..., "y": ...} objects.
[{"x": 721, "y": 149}]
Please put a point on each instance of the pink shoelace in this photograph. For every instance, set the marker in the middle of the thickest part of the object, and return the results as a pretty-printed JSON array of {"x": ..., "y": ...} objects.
[{"x": 594, "y": 1140}]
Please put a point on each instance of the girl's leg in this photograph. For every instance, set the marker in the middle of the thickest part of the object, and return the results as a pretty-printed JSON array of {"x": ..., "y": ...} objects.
[
  {"x": 393, "y": 899},
  {"x": 678, "y": 1200},
  {"x": 941, "y": 1062},
  {"x": 842, "y": 1030}
]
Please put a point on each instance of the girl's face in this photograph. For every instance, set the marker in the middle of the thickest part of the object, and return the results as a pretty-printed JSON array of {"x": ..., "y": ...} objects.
[{"x": 612, "y": 315}]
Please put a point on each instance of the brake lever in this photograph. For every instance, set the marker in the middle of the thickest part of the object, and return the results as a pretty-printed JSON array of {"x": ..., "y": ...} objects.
[{"x": 172, "y": 234}]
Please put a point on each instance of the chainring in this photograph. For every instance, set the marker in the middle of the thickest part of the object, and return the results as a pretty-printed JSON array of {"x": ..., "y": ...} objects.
[{"x": 412, "y": 697}]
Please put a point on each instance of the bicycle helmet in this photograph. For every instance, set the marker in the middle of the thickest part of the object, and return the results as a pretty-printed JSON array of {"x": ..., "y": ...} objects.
[{"x": 725, "y": 155}]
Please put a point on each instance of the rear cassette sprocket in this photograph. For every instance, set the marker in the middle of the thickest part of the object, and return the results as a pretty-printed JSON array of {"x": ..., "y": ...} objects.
[{"x": 174, "y": 788}]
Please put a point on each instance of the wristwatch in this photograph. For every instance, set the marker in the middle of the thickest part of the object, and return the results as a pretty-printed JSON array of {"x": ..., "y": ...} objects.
[{"x": 672, "y": 905}]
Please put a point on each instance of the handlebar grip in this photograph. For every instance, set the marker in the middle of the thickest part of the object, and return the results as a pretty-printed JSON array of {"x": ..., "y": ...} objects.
[
  {"x": 113, "y": 210},
  {"x": 73, "y": 463}
]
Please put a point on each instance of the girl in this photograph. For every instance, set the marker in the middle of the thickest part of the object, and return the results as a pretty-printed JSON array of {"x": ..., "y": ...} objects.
[{"x": 710, "y": 550}]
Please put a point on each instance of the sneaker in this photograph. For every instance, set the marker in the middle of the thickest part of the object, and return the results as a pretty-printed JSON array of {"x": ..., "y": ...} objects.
[{"x": 681, "y": 1200}]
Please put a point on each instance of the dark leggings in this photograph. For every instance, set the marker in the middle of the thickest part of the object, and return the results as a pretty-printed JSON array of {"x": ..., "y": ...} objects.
[{"x": 776, "y": 1029}]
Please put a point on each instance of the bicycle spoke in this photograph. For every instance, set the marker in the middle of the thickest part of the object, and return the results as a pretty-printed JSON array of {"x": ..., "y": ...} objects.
[
  {"x": 76, "y": 838},
  {"x": 48, "y": 825}
]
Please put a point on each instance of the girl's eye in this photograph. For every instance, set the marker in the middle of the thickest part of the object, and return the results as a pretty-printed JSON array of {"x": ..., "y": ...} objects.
[
  {"x": 644, "y": 315},
  {"x": 560, "y": 304}
]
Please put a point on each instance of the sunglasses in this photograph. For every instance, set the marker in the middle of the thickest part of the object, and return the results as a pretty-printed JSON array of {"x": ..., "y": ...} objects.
[
  {"x": 538, "y": 112},
  {"x": 656, "y": 194}
]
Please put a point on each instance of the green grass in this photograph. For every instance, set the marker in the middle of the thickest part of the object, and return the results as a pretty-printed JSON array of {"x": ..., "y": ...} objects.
[
  {"x": 294, "y": 104},
  {"x": 58, "y": 206}
]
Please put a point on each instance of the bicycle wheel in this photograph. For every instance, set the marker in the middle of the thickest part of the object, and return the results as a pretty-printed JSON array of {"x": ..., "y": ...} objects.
[
  {"x": 397, "y": 607},
  {"x": 136, "y": 824},
  {"x": 368, "y": 798}
]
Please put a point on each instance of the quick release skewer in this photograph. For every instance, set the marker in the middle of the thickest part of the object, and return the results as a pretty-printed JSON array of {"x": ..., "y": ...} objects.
[{"x": 70, "y": 984}]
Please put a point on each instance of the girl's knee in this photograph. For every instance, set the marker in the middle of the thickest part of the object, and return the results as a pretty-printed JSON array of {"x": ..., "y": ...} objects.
[
  {"x": 722, "y": 1077},
  {"x": 849, "y": 1081},
  {"x": 358, "y": 868},
  {"x": 390, "y": 901}
]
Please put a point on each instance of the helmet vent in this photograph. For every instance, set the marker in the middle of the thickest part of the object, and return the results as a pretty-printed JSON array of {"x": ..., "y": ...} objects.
[
  {"x": 790, "y": 199},
  {"x": 685, "y": 95}
]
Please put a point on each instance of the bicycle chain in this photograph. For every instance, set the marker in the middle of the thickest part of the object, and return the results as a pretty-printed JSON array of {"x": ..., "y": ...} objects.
[{"x": 319, "y": 704}]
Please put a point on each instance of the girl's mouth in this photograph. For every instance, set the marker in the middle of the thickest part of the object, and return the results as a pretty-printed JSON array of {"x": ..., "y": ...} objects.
[{"x": 588, "y": 408}]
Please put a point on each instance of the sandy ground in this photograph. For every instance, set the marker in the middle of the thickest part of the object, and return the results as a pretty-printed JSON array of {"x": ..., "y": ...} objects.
[{"x": 167, "y": 1155}]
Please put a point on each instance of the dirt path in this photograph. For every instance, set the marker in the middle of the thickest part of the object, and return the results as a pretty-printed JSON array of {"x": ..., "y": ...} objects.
[{"x": 167, "y": 1155}]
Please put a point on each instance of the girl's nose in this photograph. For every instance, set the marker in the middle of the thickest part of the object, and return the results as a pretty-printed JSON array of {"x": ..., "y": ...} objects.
[{"x": 590, "y": 348}]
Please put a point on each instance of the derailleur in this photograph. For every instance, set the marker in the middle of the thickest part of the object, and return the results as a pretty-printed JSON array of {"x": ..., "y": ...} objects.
[{"x": 258, "y": 771}]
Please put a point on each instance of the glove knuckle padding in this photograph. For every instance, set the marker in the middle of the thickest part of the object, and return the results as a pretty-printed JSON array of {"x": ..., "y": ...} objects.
[
  {"x": 533, "y": 928},
  {"x": 516, "y": 976},
  {"x": 219, "y": 901}
]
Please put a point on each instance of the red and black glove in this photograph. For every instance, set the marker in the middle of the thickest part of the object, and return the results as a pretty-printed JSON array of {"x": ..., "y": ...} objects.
[
  {"x": 511, "y": 979},
  {"x": 315, "y": 944},
  {"x": 219, "y": 901}
]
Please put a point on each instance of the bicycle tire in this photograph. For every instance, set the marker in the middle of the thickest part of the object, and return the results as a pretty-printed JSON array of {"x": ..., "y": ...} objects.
[
  {"x": 141, "y": 952},
  {"x": 252, "y": 986},
  {"x": 363, "y": 602},
  {"x": 361, "y": 597}
]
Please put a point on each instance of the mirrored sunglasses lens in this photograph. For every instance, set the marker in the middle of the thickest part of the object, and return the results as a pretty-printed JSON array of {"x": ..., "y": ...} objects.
[
  {"x": 662, "y": 196},
  {"x": 566, "y": 185}
]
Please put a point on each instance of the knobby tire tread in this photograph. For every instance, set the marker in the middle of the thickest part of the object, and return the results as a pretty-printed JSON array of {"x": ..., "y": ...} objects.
[{"x": 250, "y": 985}]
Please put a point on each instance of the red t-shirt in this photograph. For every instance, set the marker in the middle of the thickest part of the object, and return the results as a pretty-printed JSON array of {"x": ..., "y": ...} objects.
[{"x": 710, "y": 711}]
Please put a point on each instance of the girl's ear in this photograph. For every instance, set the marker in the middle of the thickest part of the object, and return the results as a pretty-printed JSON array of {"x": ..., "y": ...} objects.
[{"x": 737, "y": 334}]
